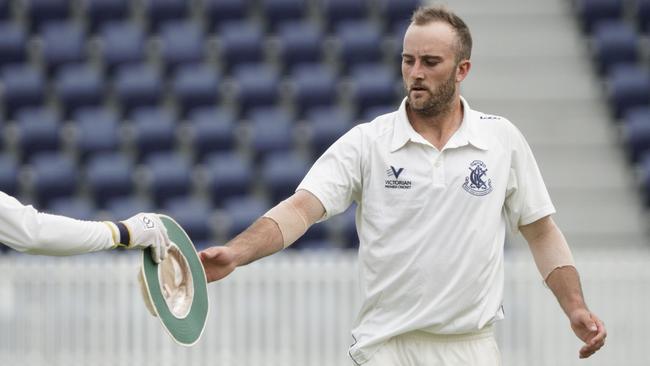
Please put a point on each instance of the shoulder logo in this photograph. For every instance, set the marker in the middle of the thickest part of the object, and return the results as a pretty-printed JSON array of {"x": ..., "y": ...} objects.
[
  {"x": 393, "y": 181},
  {"x": 477, "y": 183}
]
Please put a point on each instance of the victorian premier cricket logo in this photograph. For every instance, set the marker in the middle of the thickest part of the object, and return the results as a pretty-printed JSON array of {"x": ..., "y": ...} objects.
[
  {"x": 393, "y": 181},
  {"x": 477, "y": 183}
]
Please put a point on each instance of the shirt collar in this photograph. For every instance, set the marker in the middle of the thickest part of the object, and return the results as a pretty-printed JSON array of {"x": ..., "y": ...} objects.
[{"x": 466, "y": 134}]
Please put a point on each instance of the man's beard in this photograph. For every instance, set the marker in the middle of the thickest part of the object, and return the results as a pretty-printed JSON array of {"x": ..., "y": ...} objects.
[{"x": 438, "y": 102}]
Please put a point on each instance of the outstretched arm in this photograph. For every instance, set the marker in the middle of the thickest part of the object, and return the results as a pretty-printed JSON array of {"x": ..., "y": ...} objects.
[
  {"x": 277, "y": 229},
  {"x": 554, "y": 261}
]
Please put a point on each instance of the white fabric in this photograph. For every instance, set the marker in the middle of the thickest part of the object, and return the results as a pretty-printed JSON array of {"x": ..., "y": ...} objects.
[
  {"x": 421, "y": 348},
  {"x": 431, "y": 244},
  {"x": 25, "y": 229}
]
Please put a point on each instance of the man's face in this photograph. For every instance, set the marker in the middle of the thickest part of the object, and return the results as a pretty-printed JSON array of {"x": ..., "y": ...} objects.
[{"x": 429, "y": 67}]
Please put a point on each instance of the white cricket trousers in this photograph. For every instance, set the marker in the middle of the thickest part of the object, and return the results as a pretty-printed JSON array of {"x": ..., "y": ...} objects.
[{"x": 425, "y": 349}]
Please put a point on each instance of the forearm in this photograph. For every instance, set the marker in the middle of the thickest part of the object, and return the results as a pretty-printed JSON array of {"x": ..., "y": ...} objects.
[
  {"x": 564, "y": 282},
  {"x": 261, "y": 239},
  {"x": 25, "y": 229}
]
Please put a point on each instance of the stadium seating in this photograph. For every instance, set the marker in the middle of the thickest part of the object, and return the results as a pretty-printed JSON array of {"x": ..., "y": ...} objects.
[
  {"x": 636, "y": 132},
  {"x": 101, "y": 12},
  {"x": 8, "y": 174},
  {"x": 298, "y": 43},
  {"x": 122, "y": 43},
  {"x": 40, "y": 12},
  {"x": 240, "y": 42},
  {"x": 373, "y": 85},
  {"x": 628, "y": 87},
  {"x": 338, "y": 11},
  {"x": 24, "y": 86},
  {"x": 217, "y": 12},
  {"x": 643, "y": 15},
  {"x": 195, "y": 86},
  {"x": 159, "y": 12},
  {"x": 124, "y": 207},
  {"x": 38, "y": 132},
  {"x": 282, "y": 173},
  {"x": 258, "y": 86},
  {"x": 109, "y": 176},
  {"x": 96, "y": 131},
  {"x": 276, "y": 12},
  {"x": 212, "y": 130},
  {"x": 360, "y": 43},
  {"x": 154, "y": 130},
  {"x": 63, "y": 43},
  {"x": 55, "y": 176},
  {"x": 241, "y": 213},
  {"x": 314, "y": 85},
  {"x": 591, "y": 12},
  {"x": 13, "y": 43},
  {"x": 394, "y": 12},
  {"x": 137, "y": 85},
  {"x": 325, "y": 126},
  {"x": 614, "y": 43},
  {"x": 182, "y": 42},
  {"x": 79, "y": 86},
  {"x": 170, "y": 176},
  {"x": 271, "y": 131},
  {"x": 228, "y": 175},
  {"x": 193, "y": 215},
  {"x": 74, "y": 207}
]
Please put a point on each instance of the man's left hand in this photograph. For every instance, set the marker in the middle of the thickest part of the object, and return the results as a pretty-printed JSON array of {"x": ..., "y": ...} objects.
[{"x": 590, "y": 329}]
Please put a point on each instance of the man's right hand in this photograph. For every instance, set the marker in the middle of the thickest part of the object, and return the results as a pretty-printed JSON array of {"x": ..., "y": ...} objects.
[{"x": 218, "y": 262}]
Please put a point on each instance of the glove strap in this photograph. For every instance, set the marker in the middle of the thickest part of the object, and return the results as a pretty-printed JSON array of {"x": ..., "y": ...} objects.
[{"x": 125, "y": 236}]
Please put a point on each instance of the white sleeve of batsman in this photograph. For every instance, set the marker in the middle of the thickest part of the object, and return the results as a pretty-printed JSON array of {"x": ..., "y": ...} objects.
[{"x": 25, "y": 229}]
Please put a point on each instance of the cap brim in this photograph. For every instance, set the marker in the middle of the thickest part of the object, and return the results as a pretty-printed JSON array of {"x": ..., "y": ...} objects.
[{"x": 187, "y": 330}]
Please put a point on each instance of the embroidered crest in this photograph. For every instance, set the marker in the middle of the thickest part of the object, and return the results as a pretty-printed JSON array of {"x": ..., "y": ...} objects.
[
  {"x": 393, "y": 180},
  {"x": 477, "y": 183}
]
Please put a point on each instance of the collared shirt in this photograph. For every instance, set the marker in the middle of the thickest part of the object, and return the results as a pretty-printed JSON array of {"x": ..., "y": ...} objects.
[
  {"x": 431, "y": 223},
  {"x": 25, "y": 229}
]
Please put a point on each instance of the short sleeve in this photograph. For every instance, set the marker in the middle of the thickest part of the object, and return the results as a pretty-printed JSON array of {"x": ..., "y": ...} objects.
[
  {"x": 335, "y": 178},
  {"x": 527, "y": 199}
]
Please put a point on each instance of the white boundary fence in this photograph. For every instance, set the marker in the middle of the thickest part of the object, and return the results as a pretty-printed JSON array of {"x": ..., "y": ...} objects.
[{"x": 290, "y": 309}]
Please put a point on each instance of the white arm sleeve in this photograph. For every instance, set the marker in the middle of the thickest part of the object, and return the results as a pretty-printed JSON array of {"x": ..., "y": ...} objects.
[{"x": 25, "y": 229}]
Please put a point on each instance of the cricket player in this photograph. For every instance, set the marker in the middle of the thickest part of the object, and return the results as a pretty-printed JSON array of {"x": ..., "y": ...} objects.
[
  {"x": 25, "y": 229},
  {"x": 437, "y": 184}
]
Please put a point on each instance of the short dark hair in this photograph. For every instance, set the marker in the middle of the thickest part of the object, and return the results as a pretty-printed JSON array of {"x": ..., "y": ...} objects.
[{"x": 428, "y": 14}]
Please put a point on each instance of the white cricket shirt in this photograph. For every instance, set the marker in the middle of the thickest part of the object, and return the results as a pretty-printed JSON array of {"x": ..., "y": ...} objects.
[
  {"x": 431, "y": 223},
  {"x": 25, "y": 229}
]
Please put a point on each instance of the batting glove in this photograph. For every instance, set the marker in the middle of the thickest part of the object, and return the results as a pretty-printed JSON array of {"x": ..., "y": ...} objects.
[{"x": 145, "y": 230}]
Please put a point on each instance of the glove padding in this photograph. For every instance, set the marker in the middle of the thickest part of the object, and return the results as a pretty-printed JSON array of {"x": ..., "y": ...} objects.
[{"x": 146, "y": 230}]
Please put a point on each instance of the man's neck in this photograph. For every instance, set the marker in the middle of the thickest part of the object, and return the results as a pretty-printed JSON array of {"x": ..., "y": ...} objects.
[{"x": 437, "y": 129}]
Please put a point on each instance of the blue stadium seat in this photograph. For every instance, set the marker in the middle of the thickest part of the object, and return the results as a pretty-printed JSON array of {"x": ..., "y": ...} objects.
[
  {"x": 636, "y": 132},
  {"x": 282, "y": 172},
  {"x": 338, "y": 11},
  {"x": 171, "y": 176},
  {"x": 300, "y": 42},
  {"x": 154, "y": 130},
  {"x": 258, "y": 86},
  {"x": 325, "y": 126},
  {"x": 74, "y": 207},
  {"x": 348, "y": 228},
  {"x": 228, "y": 175},
  {"x": 5, "y": 9},
  {"x": 628, "y": 87},
  {"x": 182, "y": 42},
  {"x": 137, "y": 86},
  {"x": 40, "y": 12},
  {"x": 374, "y": 112},
  {"x": 100, "y": 12},
  {"x": 313, "y": 85},
  {"x": 397, "y": 11},
  {"x": 271, "y": 132},
  {"x": 242, "y": 212},
  {"x": 195, "y": 86},
  {"x": 63, "y": 43},
  {"x": 614, "y": 43},
  {"x": 212, "y": 130},
  {"x": 360, "y": 43},
  {"x": 13, "y": 43},
  {"x": 643, "y": 15},
  {"x": 122, "y": 208},
  {"x": 591, "y": 12},
  {"x": 122, "y": 43},
  {"x": 372, "y": 86},
  {"x": 217, "y": 12},
  {"x": 38, "y": 132},
  {"x": 109, "y": 176},
  {"x": 79, "y": 86},
  {"x": 399, "y": 30},
  {"x": 24, "y": 86},
  {"x": 55, "y": 176},
  {"x": 159, "y": 12},
  {"x": 194, "y": 216},
  {"x": 241, "y": 42},
  {"x": 276, "y": 12},
  {"x": 97, "y": 131},
  {"x": 312, "y": 244},
  {"x": 8, "y": 174}
]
